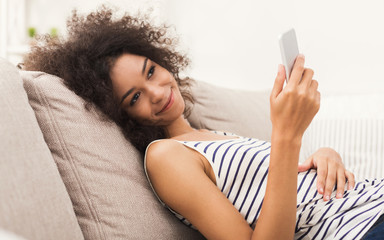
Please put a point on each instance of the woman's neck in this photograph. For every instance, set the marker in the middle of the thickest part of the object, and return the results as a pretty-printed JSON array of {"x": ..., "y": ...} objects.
[{"x": 178, "y": 127}]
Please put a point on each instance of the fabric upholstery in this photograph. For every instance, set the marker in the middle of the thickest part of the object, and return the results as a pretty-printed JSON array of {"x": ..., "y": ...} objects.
[
  {"x": 33, "y": 200},
  {"x": 245, "y": 113},
  {"x": 102, "y": 171}
]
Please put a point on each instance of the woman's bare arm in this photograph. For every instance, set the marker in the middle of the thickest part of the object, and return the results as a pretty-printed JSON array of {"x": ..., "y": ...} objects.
[{"x": 292, "y": 110}]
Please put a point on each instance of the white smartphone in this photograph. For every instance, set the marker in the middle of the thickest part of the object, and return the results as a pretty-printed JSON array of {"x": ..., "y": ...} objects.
[{"x": 289, "y": 50}]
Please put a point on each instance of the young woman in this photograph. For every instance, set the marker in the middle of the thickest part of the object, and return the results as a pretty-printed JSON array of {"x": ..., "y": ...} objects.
[{"x": 225, "y": 186}]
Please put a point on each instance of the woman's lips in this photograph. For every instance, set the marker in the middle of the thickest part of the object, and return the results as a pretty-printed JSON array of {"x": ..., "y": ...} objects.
[{"x": 169, "y": 103}]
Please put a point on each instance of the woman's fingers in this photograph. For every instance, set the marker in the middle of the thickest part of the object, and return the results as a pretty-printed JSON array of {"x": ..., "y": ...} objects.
[
  {"x": 340, "y": 183},
  {"x": 315, "y": 94},
  {"x": 330, "y": 183},
  {"x": 306, "y": 81},
  {"x": 300, "y": 75},
  {"x": 351, "y": 179},
  {"x": 306, "y": 165},
  {"x": 331, "y": 173},
  {"x": 313, "y": 85},
  {"x": 322, "y": 172},
  {"x": 297, "y": 70},
  {"x": 279, "y": 82}
]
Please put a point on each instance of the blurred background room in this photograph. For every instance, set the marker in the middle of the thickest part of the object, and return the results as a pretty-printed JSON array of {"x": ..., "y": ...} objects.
[{"x": 234, "y": 43}]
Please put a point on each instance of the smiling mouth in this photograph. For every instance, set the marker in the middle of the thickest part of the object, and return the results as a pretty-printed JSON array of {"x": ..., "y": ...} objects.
[{"x": 168, "y": 104}]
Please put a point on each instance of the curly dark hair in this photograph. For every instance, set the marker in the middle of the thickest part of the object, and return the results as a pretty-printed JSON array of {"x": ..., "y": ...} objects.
[{"x": 84, "y": 60}]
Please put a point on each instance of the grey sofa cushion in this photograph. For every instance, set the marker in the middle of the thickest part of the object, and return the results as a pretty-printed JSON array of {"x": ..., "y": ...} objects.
[
  {"x": 33, "y": 200},
  {"x": 102, "y": 171},
  {"x": 245, "y": 113}
]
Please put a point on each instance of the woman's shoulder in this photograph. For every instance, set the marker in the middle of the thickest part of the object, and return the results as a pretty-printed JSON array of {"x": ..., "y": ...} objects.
[
  {"x": 162, "y": 147},
  {"x": 163, "y": 158},
  {"x": 163, "y": 152}
]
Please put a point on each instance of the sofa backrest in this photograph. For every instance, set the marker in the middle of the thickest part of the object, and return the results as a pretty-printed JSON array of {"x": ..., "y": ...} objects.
[
  {"x": 245, "y": 113},
  {"x": 33, "y": 200}
]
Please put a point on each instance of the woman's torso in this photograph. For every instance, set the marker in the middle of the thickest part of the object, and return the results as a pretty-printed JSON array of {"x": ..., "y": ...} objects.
[{"x": 239, "y": 168}]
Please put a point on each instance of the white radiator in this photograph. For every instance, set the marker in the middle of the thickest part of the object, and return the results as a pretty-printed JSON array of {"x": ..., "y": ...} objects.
[{"x": 354, "y": 127}]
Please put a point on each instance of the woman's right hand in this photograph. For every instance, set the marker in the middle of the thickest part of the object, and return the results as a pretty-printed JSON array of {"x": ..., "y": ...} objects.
[{"x": 294, "y": 106}]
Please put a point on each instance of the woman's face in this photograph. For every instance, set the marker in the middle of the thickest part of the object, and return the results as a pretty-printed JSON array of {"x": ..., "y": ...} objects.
[{"x": 146, "y": 91}]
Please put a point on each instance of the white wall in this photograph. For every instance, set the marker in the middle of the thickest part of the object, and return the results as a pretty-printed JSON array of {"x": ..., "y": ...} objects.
[
  {"x": 45, "y": 14},
  {"x": 234, "y": 43}
]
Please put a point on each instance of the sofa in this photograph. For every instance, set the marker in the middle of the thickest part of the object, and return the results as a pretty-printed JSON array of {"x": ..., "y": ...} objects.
[{"x": 67, "y": 172}]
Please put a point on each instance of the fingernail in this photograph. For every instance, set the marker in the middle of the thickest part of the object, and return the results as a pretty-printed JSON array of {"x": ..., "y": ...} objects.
[
  {"x": 326, "y": 198},
  {"x": 339, "y": 195},
  {"x": 321, "y": 190},
  {"x": 350, "y": 187},
  {"x": 301, "y": 56}
]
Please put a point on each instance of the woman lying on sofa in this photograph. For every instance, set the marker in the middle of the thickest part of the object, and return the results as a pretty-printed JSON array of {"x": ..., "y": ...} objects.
[{"x": 224, "y": 185}]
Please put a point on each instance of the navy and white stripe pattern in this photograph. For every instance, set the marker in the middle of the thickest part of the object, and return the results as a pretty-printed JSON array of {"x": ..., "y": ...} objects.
[{"x": 241, "y": 169}]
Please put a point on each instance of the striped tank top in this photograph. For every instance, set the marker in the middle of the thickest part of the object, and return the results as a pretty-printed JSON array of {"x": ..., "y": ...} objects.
[{"x": 241, "y": 166}]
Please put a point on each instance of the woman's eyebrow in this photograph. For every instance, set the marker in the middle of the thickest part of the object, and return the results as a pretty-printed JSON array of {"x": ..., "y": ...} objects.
[
  {"x": 126, "y": 95},
  {"x": 144, "y": 66}
]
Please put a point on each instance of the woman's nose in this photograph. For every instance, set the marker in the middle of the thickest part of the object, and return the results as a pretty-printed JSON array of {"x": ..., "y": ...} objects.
[{"x": 156, "y": 93}]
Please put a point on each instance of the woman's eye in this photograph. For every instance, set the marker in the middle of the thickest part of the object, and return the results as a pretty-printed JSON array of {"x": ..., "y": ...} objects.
[
  {"x": 134, "y": 98},
  {"x": 151, "y": 72}
]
